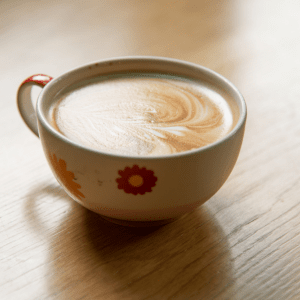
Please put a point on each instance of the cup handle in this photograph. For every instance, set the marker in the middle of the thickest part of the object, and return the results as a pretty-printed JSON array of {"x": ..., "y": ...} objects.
[{"x": 24, "y": 101}]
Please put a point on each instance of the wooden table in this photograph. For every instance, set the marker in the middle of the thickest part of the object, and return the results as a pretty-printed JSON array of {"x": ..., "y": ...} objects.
[{"x": 243, "y": 243}]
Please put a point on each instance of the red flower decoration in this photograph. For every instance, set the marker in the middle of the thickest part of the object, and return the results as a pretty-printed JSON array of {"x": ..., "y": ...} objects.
[{"x": 136, "y": 181}]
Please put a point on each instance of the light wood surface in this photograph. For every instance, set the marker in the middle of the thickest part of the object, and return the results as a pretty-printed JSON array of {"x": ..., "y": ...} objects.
[{"x": 243, "y": 243}]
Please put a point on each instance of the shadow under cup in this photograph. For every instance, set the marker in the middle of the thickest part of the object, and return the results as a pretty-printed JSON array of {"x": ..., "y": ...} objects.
[{"x": 172, "y": 184}]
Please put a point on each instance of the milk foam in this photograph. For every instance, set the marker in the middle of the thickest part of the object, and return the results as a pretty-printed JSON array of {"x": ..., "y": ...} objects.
[{"x": 143, "y": 116}]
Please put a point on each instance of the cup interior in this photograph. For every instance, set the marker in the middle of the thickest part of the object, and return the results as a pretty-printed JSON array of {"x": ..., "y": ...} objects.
[{"x": 131, "y": 65}]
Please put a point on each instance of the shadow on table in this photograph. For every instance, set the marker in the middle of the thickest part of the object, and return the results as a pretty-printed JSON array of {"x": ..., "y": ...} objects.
[{"x": 90, "y": 257}]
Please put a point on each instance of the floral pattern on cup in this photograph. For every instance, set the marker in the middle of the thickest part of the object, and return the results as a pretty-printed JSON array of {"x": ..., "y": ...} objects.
[
  {"x": 66, "y": 177},
  {"x": 136, "y": 180}
]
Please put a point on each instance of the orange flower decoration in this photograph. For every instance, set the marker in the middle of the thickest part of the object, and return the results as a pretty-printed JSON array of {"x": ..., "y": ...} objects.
[
  {"x": 65, "y": 177},
  {"x": 136, "y": 181}
]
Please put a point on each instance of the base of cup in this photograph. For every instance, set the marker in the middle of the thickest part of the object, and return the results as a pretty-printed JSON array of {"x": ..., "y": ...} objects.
[{"x": 139, "y": 223}]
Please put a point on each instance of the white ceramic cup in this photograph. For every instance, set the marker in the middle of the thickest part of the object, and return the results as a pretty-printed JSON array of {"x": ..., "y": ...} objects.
[{"x": 102, "y": 182}]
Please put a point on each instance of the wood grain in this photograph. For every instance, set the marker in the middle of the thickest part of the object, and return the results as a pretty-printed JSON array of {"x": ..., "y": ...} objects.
[{"x": 243, "y": 243}]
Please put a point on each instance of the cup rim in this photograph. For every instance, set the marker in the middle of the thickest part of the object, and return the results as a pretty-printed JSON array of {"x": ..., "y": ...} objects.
[{"x": 242, "y": 118}]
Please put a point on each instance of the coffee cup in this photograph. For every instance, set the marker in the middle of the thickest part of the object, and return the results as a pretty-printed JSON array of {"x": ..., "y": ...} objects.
[{"x": 131, "y": 187}]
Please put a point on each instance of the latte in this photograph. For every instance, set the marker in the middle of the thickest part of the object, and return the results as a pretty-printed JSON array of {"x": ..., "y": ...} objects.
[{"x": 143, "y": 115}]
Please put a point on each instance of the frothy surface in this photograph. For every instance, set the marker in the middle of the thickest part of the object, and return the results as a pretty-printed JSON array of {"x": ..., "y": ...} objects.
[{"x": 142, "y": 116}]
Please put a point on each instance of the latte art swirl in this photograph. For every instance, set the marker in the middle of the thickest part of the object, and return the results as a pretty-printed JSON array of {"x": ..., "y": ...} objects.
[{"x": 142, "y": 116}]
